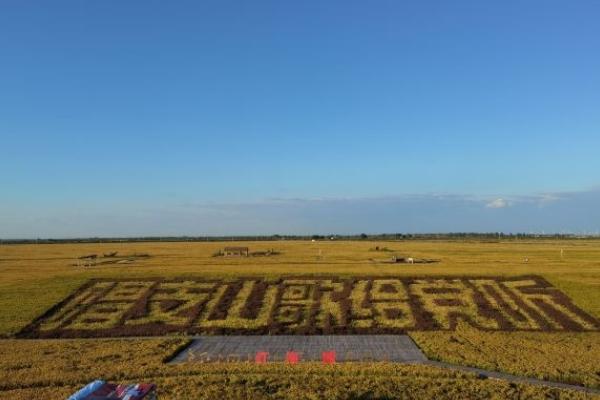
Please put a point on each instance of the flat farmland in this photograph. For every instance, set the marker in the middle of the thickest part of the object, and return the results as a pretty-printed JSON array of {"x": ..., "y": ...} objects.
[
  {"x": 309, "y": 305},
  {"x": 529, "y": 308}
]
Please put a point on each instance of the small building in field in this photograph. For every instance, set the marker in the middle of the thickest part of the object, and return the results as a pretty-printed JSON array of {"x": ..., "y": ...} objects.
[{"x": 235, "y": 252}]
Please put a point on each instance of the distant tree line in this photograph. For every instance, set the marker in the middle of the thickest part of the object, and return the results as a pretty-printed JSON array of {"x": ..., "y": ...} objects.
[{"x": 363, "y": 236}]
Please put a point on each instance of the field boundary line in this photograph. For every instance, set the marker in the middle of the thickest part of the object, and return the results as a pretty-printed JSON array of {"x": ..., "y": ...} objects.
[{"x": 484, "y": 373}]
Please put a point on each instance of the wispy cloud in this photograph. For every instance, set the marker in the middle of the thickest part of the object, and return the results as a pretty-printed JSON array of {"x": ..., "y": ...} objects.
[
  {"x": 498, "y": 203},
  {"x": 549, "y": 212}
]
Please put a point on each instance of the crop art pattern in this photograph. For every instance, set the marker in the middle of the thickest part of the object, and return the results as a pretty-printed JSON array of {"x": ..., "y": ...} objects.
[{"x": 301, "y": 305}]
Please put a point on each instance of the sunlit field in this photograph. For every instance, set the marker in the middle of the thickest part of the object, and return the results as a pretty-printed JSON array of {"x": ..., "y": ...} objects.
[{"x": 37, "y": 278}]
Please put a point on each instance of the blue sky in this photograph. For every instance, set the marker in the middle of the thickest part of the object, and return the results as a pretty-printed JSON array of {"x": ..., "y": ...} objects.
[{"x": 131, "y": 117}]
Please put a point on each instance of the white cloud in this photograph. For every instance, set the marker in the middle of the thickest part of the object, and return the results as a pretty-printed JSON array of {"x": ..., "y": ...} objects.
[
  {"x": 561, "y": 211},
  {"x": 498, "y": 203},
  {"x": 548, "y": 198}
]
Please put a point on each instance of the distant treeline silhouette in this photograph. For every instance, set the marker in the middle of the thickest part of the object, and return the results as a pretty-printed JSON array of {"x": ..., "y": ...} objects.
[{"x": 487, "y": 236}]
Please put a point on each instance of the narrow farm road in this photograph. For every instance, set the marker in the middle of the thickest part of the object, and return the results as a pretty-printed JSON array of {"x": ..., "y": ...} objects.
[{"x": 484, "y": 373}]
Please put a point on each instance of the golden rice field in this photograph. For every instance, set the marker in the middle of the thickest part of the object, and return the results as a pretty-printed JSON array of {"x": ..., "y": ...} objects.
[
  {"x": 309, "y": 305},
  {"x": 35, "y": 278},
  {"x": 51, "y": 369}
]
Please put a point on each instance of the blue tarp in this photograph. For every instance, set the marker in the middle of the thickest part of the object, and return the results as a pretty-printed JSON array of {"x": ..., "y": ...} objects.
[{"x": 87, "y": 390}]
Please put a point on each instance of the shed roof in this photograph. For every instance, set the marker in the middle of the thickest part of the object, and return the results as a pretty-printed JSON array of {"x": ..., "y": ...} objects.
[{"x": 235, "y": 249}]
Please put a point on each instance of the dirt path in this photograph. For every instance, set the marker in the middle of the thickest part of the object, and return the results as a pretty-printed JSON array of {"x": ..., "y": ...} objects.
[{"x": 509, "y": 377}]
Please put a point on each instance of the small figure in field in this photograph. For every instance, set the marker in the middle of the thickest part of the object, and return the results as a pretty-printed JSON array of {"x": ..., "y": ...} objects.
[
  {"x": 526, "y": 259},
  {"x": 410, "y": 260}
]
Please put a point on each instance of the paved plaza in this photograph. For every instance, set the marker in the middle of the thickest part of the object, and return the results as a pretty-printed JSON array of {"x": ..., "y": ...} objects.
[{"x": 394, "y": 348}]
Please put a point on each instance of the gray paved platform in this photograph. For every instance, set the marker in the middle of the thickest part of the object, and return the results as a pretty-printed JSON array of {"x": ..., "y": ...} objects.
[{"x": 395, "y": 348}]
